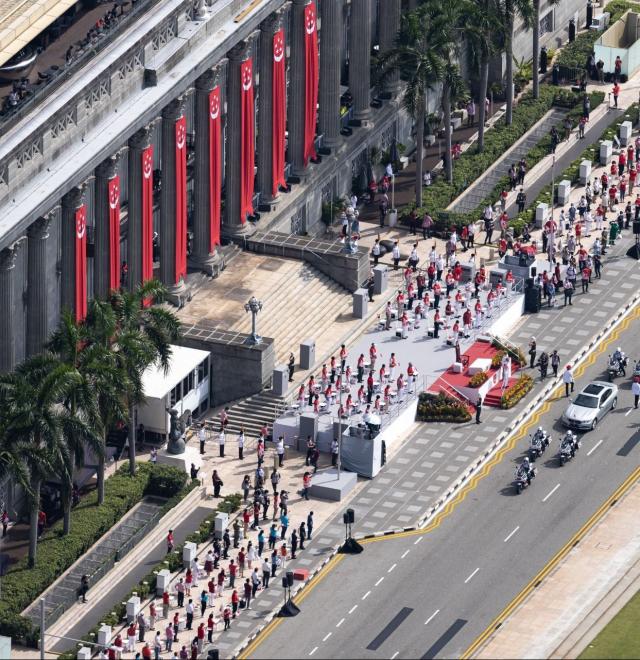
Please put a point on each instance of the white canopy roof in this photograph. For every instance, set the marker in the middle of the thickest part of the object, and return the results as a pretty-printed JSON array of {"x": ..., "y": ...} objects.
[{"x": 183, "y": 361}]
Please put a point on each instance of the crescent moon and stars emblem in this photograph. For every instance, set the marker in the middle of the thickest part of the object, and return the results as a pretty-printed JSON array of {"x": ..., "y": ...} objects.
[
  {"x": 147, "y": 165},
  {"x": 81, "y": 223},
  {"x": 181, "y": 135},
  {"x": 114, "y": 196},
  {"x": 247, "y": 76},
  {"x": 310, "y": 19},
  {"x": 214, "y": 105},
  {"x": 278, "y": 47}
]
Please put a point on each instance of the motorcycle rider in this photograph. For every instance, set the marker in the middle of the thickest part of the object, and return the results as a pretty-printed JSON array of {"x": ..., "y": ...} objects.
[
  {"x": 619, "y": 357},
  {"x": 542, "y": 435},
  {"x": 569, "y": 443},
  {"x": 524, "y": 470}
]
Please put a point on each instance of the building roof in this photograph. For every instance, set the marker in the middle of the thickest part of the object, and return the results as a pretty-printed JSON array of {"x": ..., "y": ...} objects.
[
  {"x": 156, "y": 384},
  {"x": 23, "y": 20}
]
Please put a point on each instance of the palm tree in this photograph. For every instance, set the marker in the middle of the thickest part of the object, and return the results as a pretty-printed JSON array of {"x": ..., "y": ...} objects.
[
  {"x": 68, "y": 342},
  {"x": 454, "y": 89},
  {"x": 419, "y": 68},
  {"x": 106, "y": 375},
  {"x": 483, "y": 28},
  {"x": 143, "y": 336},
  {"x": 40, "y": 423},
  {"x": 511, "y": 9}
]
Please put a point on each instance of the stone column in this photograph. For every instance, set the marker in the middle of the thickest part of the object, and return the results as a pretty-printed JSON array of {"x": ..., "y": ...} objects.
[
  {"x": 37, "y": 284},
  {"x": 210, "y": 262},
  {"x": 137, "y": 144},
  {"x": 8, "y": 306},
  {"x": 177, "y": 293},
  {"x": 297, "y": 97},
  {"x": 389, "y": 15},
  {"x": 232, "y": 225},
  {"x": 330, "y": 65},
  {"x": 265, "y": 108},
  {"x": 71, "y": 202},
  {"x": 360, "y": 59},
  {"x": 106, "y": 171}
]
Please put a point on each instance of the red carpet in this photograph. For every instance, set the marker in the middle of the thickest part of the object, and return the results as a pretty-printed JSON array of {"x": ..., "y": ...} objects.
[{"x": 450, "y": 380}]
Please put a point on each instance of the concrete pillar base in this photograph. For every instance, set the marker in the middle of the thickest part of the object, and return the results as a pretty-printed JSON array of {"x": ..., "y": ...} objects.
[
  {"x": 238, "y": 231},
  {"x": 179, "y": 294},
  {"x": 211, "y": 264}
]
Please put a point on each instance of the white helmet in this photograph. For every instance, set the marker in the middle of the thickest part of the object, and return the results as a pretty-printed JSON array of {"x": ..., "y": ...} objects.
[
  {"x": 619, "y": 349},
  {"x": 540, "y": 429},
  {"x": 525, "y": 462}
]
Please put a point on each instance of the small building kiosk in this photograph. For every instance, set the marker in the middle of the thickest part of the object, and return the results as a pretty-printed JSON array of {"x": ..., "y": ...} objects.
[{"x": 185, "y": 387}]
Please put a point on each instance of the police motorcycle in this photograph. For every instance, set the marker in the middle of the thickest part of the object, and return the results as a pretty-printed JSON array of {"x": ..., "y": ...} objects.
[
  {"x": 525, "y": 472},
  {"x": 538, "y": 442},
  {"x": 617, "y": 364},
  {"x": 569, "y": 445}
]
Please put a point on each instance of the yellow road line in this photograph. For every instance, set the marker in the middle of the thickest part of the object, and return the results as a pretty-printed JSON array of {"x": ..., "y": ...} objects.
[
  {"x": 462, "y": 494},
  {"x": 553, "y": 562}
]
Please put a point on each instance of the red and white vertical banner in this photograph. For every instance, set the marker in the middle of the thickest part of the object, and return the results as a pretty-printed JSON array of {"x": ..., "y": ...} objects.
[
  {"x": 81, "y": 263},
  {"x": 247, "y": 155},
  {"x": 215, "y": 167},
  {"x": 113, "y": 189},
  {"x": 147, "y": 214},
  {"x": 181, "y": 198},
  {"x": 311, "y": 80},
  {"x": 279, "y": 119}
]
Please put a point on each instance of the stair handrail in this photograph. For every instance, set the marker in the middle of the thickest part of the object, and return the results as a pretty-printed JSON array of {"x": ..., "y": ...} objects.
[{"x": 462, "y": 398}]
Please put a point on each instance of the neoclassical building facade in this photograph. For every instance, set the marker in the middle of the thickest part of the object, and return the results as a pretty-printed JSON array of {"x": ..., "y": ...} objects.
[{"x": 196, "y": 123}]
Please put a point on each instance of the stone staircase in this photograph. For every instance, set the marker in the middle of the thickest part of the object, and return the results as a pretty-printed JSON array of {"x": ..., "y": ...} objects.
[
  {"x": 304, "y": 304},
  {"x": 472, "y": 198},
  {"x": 122, "y": 538},
  {"x": 252, "y": 413}
]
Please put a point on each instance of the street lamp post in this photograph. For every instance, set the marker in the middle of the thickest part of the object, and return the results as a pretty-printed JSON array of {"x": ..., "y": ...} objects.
[{"x": 254, "y": 306}]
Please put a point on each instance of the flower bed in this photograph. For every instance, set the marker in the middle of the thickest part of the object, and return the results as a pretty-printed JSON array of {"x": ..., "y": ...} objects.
[
  {"x": 441, "y": 408},
  {"x": 515, "y": 354},
  {"x": 479, "y": 378},
  {"x": 514, "y": 393},
  {"x": 22, "y": 585},
  {"x": 173, "y": 562}
]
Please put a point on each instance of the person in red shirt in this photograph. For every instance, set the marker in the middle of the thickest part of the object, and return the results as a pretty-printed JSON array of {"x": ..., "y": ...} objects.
[
  {"x": 578, "y": 230},
  {"x": 586, "y": 278},
  {"x": 201, "y": 638},
  {"x": 436, "y": 324},
  {"x": 226, "y": 615},
  {"x": 616, "y": 93},
  {"x": 146, "y": 652},
  {"x": 614, "y": 168},
  {"x": 622, "y": 161},
  {"x": 633, "y": 173},
  {"x": 466, "y": 321},
  {"x": 211, "y": 626},
  {"x": 502, "y": 247}
]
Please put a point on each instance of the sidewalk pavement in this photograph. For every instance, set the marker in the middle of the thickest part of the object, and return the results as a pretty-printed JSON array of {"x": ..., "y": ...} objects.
[{"x": 578, "y": 598}]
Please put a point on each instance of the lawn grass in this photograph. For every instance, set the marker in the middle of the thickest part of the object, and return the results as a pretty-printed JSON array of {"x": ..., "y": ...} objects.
[{"x": 621, "y": 637}]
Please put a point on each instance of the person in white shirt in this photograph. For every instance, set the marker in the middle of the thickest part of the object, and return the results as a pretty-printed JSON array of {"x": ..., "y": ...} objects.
[
  {"x": 395, "y": 253},
  {"x": 567, "y": 379},
  {"x": 241, "y": 444},
  {"x": 201, "y": 439},
  {"x": 280, "y": 450},
  {"x": 221, "y": 441}
]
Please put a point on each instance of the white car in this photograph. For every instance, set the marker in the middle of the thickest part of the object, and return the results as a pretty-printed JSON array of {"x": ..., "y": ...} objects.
[{"x": 590, "y": 406}]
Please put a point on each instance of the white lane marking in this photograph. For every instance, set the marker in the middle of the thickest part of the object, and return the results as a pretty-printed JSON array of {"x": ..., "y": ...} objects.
[
  {"x": 594, "y": 447},
  {"x": 340, "y": 623},
  {"x": 553, "y": 490},
  {"x": 326, "y": 637},
  {"x": 628, "y": 412},
  {"x": 389, "y": 571},
  {"x": 378, "y": 582},
  {"x": 395, "y": 655},
  {"x": 472, "y": 574},
  {"x": 512, "y": 533},
  {"x": 313, "y": 650},
  {"x": 418, "y": 540},
  {"x": 431, "y": 617},
  {"x": 353, "y": 609},
  {"x": 368, "y": 592},
  {"x": 405, "y": 554}
]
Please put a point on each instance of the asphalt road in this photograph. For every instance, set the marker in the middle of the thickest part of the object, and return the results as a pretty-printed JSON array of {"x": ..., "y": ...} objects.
[{"x": 430, "y": 595}]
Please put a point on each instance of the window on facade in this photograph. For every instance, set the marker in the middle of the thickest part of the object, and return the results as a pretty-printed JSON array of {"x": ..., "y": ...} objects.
[
  {"x": 185, "y": 386},
  {"x": 176, "y": 394},
  {"x": 546, "y": 23},
  {"x": 191, "y": 379},
  {"x": 203, "y": 370}
]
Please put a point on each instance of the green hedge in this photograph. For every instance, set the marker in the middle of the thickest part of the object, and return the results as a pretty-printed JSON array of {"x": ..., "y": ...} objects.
[
  {"x": 574, "y": 55},
  {"x": 572, "y": 173},
  {"x": 441, "y": 408},
  {"x": 56, "y": 553},
  {"x": 471, "y": 164},
  {"x": 173, "y": 562}
]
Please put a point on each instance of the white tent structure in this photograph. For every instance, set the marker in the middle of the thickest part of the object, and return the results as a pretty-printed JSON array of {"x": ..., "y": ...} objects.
[{"x": 185, "y": 387}]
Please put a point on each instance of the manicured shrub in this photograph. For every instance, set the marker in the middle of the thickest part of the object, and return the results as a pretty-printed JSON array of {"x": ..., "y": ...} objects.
[
  {"x": 479, "y": 379},
  {"x": 441, "y": 408},
  {"x": 513, "y": 394}
]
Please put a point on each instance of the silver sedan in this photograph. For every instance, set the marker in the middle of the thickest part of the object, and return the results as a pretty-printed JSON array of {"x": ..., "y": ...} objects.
[{"x": 590, "y": 406}]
